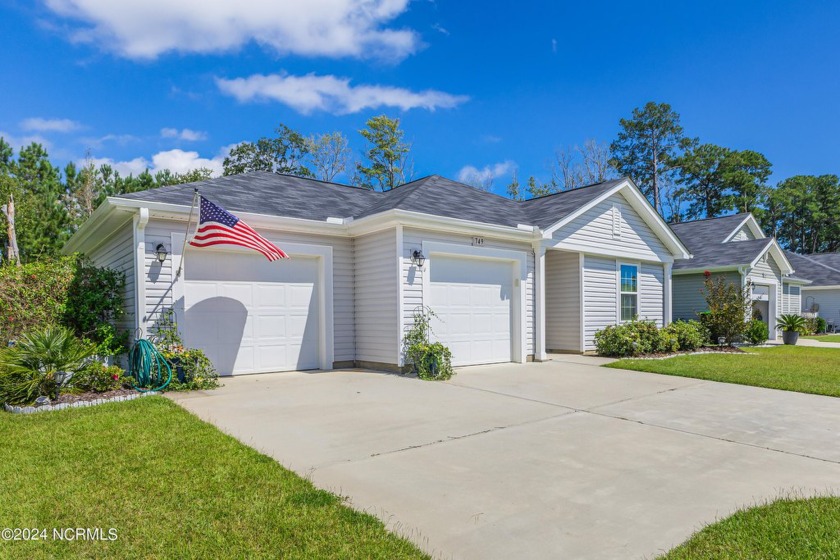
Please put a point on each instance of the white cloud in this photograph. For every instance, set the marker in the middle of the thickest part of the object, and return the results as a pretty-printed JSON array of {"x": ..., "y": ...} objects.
[
  {"x": 329, "y": 93},
  {"x": 177, "y": 161},
  {"x": 39, "y": 124},
  {"x": 18, "y": 142},
  {"x": 472, "y": 175},
  {"x": 188, "y": 135},
  {"x": 145, "y": 29}
]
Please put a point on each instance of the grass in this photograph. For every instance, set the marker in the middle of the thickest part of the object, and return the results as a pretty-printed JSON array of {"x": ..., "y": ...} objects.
[
  {"x": 792, "y": 368},
  {"x": 781, "y": 530},
  {"x": 825, "y": 337},
  {"x": 172, "y": 486}
]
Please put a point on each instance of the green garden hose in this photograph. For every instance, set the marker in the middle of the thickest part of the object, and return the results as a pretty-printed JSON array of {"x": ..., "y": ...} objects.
[{"x": 148, "y": 367}]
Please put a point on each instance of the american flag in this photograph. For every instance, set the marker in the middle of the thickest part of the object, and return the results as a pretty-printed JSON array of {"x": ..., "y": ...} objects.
[{"x": 217, "y": 226}]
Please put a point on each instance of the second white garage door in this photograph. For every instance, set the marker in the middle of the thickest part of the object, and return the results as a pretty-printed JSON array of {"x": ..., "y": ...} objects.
[
  {"x": 472, "y": 299},
  {"x": 250, "y": 315}
]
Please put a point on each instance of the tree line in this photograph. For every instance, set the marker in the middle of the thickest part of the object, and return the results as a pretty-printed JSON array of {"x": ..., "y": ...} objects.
[{"x": 682, "y": 177}]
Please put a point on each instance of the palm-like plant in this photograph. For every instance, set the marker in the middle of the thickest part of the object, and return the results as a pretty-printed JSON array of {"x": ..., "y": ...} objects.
[
  {"x": 28, "y": 369},
  {"x": 790, "y": 323}
]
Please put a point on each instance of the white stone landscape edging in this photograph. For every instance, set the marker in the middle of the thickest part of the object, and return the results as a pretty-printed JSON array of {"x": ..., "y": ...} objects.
[{"x": 77, "y": 404}]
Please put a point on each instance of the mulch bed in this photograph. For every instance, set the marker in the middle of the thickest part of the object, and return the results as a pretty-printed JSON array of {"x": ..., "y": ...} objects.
[{"x": 71, "y": 398}]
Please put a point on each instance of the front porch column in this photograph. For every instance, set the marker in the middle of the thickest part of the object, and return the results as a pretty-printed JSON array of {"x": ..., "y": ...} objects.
[
  {"x": 539, "y": 303},
  {"x": 667, "y": 307}
]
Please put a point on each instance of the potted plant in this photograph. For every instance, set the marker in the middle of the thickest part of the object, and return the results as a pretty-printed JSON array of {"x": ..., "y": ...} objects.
[{"x": 790, "y": 325}]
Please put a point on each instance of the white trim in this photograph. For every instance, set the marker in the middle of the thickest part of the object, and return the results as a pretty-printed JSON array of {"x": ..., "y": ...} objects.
[
  {"x": 400, "y": 295},
  {"x": 667, "y": 295},
  {"x": 326, "y": 320},
  {"x": 582, "y": 272},
  {"x": 642, "y": 206},
  {"x": 754, "y": 228},
  {"x": 637, "y": 293},
  {"x": 540, "y": 289},
  {"x": 818, "y": 288},
  {"x": 728, "y": 268},
  {"x": 141, "y": 218},
  {"x": 773, "y": 302},
  {"x": 606, "y": 252},
  {"x": 519, "y": 343},
  {"x": 781, "y": 260}
]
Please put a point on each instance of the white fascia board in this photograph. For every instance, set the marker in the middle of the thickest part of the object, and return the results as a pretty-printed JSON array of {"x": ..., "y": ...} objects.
[
  {"x": 684, "y": 271},
  {"x": 774, "y": 248},
  {"x": 797, "y": 281},
  {"x": 639, "y": 203},
  {"x": 391, "y": 218},
  {"x": 832, "y": 287},
  {"x": 86, "y": 236},
  {"x": 753, "y": 225}
]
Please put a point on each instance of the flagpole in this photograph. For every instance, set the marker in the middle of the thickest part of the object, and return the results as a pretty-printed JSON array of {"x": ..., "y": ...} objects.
[{"x": 187, "y": 236}]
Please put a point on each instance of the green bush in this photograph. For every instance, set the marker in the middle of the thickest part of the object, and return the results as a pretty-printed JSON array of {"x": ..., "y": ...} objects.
[
  {"x": 757, "y": 332},
  {"x": 635, "y": 338},
  {"x": 99, "y": 378},
  {"x": 431, "y": 361},
  {"x": 28, "y": 369},
  {"x": 691, "y": 335},
  {"x": 199, "y": 372},
  {"x": 728, "y": 307},
  {"x": 815, "y": 325},
  {"x": 66, "y": 291}
]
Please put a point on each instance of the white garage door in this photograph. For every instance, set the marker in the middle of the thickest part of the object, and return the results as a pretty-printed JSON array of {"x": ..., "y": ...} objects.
[
  {"x": 472, "y": 299},
  {"x": 251, "y": 315}
]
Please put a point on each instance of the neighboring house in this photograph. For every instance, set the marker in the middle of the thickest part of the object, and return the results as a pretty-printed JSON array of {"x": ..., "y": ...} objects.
[
  {"x": 822, "y": 295},
  {"x": 508, "y": 280},
  {"x": 735, "y": 247}
]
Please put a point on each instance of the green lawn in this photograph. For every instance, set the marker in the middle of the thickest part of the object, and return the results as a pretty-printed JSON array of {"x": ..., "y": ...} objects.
[
  {"x": 172, "y": 486},
  {"x": 784, "y": 529},
  {"x": 792, "y": 368},
  {"x": 825, "y": 337}
]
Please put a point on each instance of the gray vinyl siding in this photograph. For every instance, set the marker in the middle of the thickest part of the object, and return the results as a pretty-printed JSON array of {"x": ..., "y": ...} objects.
[
  {"x": 828, "y": 300},
  {"x": 412, "y": 277},
  {"x": 159, "y": 279},
  {"x": 651, "y": 292},
  {"x": 687, "y": 293},
  {"x": 769, "y": 270},
  {"x": 744, "y": 233},
  {"x": 562, "y": 301},
  {"x": 117, "y": 253},
  {"x": 791, "y": 298},
  {"x": 600, "y": 288},
  {"x": 377, "y": 296},
  {"x": 594, "y": 231}
]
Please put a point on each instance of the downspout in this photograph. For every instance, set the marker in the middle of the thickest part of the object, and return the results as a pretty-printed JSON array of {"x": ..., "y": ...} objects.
[{"x": 140, "y": 221}]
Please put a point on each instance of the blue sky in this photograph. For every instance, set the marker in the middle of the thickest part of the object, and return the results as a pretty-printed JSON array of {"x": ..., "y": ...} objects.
[{"x": 492, "y": 85}]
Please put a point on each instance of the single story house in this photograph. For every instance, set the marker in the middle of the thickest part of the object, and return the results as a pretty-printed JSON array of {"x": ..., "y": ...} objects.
[
  {"x": 509, "y": 280},
  {"x": 822, "y": 294},
  {"x": 736, "y": 248}
]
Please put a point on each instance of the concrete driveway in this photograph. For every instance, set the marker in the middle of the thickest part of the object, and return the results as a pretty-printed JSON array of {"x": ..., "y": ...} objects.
[{"x": 561, "y": 459}]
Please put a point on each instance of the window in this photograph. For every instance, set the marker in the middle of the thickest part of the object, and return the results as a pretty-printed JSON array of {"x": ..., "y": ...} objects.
[{"x": 629, "y": 292}]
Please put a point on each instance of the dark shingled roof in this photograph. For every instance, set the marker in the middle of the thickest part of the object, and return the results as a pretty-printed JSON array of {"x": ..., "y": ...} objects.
[
  {"x": 822, "y": 269},
  {"x": 704, "y": 240},
  {"x": 296, "y": 197},
  {"x": 705, "y": 232},
  {"x": 717, "y": 254}
]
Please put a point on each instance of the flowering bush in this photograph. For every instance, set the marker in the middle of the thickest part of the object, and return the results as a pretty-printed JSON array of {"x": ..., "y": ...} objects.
[
  {"x": 729, "y": 305},
  {"x": 99, "y": 378},
  {"x": 690, "y": 335},
  {"x": 634, "y": 339}
]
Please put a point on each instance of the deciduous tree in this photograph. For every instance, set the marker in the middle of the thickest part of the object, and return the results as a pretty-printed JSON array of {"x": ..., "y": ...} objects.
[
  {"x": 284, "y": 153},
  {"x": 388, "y": 164}
]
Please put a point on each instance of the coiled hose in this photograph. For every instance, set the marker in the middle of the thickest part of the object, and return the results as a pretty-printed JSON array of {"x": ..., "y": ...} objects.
[{"x": 148, "y": 367}]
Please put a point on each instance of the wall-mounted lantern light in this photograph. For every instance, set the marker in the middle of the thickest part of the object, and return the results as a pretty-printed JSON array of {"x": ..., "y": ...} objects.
[
  {"x": 160, "y": 253},
  {"x": 418, "y": 258}
]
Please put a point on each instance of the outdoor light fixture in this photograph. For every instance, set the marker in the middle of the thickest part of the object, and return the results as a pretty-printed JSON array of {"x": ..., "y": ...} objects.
[
  {"x": 160, "y": 252},
  {"x": 418, "y": 258}
]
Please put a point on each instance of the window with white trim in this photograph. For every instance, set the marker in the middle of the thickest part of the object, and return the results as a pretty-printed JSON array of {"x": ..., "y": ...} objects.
[{"x": 629, "y": 292}]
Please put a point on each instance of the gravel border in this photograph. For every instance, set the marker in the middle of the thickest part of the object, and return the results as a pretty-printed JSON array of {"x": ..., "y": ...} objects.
[{"x": 77, "y": 404}]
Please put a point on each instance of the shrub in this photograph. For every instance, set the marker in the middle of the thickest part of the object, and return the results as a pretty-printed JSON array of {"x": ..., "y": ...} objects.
[
  {"x": 28, "y": 369},
  {"x": 815, "y": 325},
  {"x": 199, "y": 372},
  {"x": 431, "y": 361},
  {"x": 635, "y": 338},
  {"x": 67, "y": 291},
  {"x": 99, "y": 378},
  {"x": 757, "y": 332},
  {"x": 691, "y": 335},
  {"x": 791, "y": 322},
  {"x": 728, "y": 307}
]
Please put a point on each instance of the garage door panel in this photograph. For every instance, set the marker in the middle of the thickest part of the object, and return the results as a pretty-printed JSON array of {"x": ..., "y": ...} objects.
[
  {"x": 472, "y": 299},
  {"x": 250, "y": 315}
]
